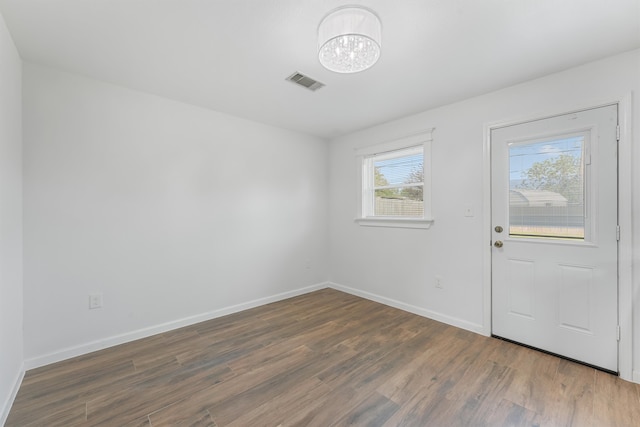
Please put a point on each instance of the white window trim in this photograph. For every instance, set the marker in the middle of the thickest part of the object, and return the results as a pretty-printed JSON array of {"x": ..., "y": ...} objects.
[{"x": 423, "y": 139}]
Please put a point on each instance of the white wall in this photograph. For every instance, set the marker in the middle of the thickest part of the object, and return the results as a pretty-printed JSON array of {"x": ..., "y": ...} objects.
[
  {"x": 11, "y": 333},
  {"x": 173, "y": 212},
  {"x": 400, "y": 264}
]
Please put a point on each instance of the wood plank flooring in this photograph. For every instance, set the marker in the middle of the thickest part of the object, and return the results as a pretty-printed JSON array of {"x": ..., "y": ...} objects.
[{"x": 322, "y": 359}]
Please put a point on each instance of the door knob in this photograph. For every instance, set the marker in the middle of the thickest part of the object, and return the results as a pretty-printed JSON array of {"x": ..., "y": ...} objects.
[{"x": 498, "y": 244}]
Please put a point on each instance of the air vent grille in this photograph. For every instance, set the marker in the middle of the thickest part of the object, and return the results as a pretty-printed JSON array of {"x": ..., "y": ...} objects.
[{"x": 305, "y": 81}]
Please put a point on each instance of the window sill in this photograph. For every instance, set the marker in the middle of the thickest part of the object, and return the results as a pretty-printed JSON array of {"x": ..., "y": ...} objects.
[{"x": 395, "y": 222}]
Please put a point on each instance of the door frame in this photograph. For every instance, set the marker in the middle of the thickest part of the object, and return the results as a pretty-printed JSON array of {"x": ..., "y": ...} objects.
[{"x": 625, "y": 248}]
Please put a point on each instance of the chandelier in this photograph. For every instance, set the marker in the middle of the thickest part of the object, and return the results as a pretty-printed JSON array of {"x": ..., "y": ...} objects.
[{"x": 349, "y": 39}]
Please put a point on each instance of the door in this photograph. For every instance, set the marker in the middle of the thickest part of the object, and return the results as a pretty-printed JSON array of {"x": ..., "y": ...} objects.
[{"x": 554, "y": 218}]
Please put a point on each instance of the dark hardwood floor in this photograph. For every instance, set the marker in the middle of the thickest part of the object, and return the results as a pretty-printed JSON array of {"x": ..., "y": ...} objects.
[{"x": 322, "y": 359}]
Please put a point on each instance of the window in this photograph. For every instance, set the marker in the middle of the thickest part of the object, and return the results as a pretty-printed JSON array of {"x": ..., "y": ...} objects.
[
  {"x": 398, "y": 182},
  {"x": 547, "y": 187},
  {"x": 395, "y": 183}
]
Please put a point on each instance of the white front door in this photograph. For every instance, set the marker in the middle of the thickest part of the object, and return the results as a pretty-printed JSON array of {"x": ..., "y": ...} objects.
[{"x": 554, "y": 218}]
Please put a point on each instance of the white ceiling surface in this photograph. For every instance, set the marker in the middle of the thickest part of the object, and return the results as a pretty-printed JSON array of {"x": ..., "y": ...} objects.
[{"x": 233, "y": 55}]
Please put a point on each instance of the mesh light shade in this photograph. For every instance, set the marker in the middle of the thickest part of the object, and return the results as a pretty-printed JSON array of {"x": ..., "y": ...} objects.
[{"x": 349, "y": 39}]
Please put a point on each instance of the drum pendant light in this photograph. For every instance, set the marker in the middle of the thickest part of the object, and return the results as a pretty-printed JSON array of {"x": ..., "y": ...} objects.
[{"x": 349, "y": 39}]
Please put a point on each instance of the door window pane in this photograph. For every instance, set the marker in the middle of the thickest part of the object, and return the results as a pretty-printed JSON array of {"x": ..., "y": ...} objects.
[{"x": 547, "y": 188}]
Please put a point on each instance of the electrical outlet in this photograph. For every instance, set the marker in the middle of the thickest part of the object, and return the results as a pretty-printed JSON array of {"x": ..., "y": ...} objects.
[
  {"x": 439, "y": 282},
  {"x": 468, "y": 212},
  {"x": 95, "y": 300}
]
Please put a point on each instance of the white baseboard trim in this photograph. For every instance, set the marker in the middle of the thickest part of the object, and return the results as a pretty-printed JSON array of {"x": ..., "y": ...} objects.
[
  {"x": 6, "y": 406},
  {"x": 101, "y": 344},
  {"x": 434, "y": 315},
  {"x": 636, "y": 377}
]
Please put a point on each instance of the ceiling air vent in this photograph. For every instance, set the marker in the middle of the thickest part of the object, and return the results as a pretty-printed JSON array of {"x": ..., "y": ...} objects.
[{"x": 305, "y": 81}]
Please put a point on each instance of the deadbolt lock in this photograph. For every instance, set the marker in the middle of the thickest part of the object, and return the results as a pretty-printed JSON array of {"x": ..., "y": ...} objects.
[
  {"x": 498, "y": 229},
  {"x": 498, "y": 244}
]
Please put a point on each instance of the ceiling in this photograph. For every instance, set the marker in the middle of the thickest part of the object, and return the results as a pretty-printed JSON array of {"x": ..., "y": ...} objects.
[{"x": 233, "y": 55}]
